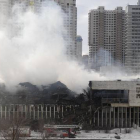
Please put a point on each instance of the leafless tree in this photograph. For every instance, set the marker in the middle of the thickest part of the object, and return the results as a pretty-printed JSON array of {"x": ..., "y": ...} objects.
[{"x": 13, "y": 129}]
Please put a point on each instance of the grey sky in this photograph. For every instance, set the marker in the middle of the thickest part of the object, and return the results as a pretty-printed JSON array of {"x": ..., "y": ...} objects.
[{"x": 83, "y": 8}]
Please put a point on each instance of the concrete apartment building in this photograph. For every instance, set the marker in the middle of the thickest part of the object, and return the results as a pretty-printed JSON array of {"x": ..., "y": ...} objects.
[
  {"x": 7, "y": 13},
  {"x": 120, "y": 102},
  {"x": 106, "y": 37},
  {"x": 70, "y": 23},
  {"x": 114, "y": 38},
  {"x": 132, "y": 52},
  {"x": 79, "y": 42},
  {"x": 70, "y": 19},
  {"x": 4, "y": 12},
  {"x": 85, "y": 59},
  {"x": 34, "y": 5}
]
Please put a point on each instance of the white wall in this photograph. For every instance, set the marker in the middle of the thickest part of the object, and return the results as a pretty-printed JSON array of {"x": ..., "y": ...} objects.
[{"x": 132, "y": 86}]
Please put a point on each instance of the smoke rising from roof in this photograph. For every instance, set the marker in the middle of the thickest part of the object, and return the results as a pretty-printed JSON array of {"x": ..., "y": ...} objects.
[{"x": 36, "y": 51}]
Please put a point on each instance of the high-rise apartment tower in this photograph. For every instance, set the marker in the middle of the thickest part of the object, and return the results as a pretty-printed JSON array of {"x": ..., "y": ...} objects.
[
  {"x": 106, "y": 37},
  {"x": 4, "y": 12},
  {"x": 132, "y": 52},
  {"x": 70, "y": 20}
]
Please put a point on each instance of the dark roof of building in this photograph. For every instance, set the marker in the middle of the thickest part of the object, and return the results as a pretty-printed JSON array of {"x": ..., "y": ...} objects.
[{"x": 79, "y": 39}]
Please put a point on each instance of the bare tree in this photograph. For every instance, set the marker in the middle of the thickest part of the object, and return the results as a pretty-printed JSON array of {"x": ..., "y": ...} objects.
[{"x": 13, "y": 129}]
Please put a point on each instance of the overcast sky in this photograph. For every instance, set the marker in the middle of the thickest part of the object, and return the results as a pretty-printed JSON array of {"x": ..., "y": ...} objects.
[{"x": 83, "y": 7}]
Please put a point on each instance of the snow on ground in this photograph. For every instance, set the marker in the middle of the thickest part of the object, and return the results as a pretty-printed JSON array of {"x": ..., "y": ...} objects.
[
  {"x": 35, "y": 134},
  {"x": 133, "y": 135}
]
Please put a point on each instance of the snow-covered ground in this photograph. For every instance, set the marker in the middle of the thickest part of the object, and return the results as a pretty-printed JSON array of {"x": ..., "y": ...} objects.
[{"x": 133, "y": 135}]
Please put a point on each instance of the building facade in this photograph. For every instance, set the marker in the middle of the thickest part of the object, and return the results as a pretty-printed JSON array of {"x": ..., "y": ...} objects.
[
  {"x": 79, "y": 41},
  {"x": 4, "y": 12},
  {"x": 120, "y": 103},
  {"x": 106, "y": 37},
  {"x": 85, "y": 59},
  {"x": 70, "y": 24},
  {"x": 114, "y": 38},
  {"x": 132, "y": 53},
  {"x": 34, "y": 111},
  {"x": 70, "y": 19}
]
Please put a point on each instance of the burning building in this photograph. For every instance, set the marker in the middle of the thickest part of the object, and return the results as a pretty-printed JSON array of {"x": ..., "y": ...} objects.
[
  {"x": 52, "y": 102},
  {"x": 34, "y": 111}
]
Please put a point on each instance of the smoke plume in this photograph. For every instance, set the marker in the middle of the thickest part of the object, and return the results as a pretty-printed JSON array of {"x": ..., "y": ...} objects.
[{"x": 32, "y": 49}]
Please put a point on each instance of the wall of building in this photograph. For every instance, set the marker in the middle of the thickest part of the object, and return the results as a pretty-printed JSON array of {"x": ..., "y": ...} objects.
[
  {"x": 106, "y": 37},
  {"x": 70, "y": 20},
  {"x": 4, "y": 12},
  {"x": 117, "y": 117},
  {"x": 114, "y": 38},
  {"x": 34, "y": 112},
  {"x": 132, "y": 52},
  {"x": 118, "y": 114},
  {"x": 79, "y": 41},
  {"x": 132, "y": 86},
  {"x": 85, "y": 59}
]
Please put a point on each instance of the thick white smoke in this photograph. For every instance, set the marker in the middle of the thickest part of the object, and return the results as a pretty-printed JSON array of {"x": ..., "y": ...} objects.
[{"x": 36, "y": 53}]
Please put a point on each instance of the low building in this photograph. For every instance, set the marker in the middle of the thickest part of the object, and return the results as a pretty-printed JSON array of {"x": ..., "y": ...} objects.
[
  {"x": 34, "y": 111},
  {"x": 120, "y": 103},
  {"x": 85, "y": 61},
  {"x": 79, "y": 41}
]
